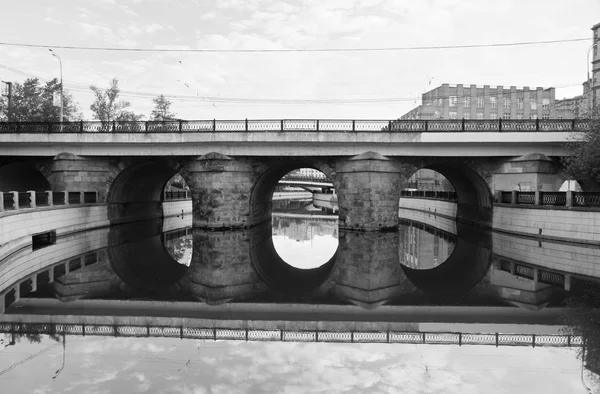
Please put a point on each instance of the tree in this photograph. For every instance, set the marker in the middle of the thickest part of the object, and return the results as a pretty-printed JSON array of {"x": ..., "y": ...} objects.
[
  {"x": 32, "y": 102},
  {"x": 107, "y": 108},
  {"x": 161, "y": 111},
  {"x": 583, "y": 160}
]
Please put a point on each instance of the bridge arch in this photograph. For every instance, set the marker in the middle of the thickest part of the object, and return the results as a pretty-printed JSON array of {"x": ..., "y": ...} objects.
[
  {"x": 471, "y": 182},
  {"x": 136, "y": 192},
  {"x": 23, "y": 176}
]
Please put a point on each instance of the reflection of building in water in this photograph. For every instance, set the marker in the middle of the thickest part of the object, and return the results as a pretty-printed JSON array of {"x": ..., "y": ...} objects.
[
  {"x": 423, "y": 247},
  {"x": 304, "y": 229},
  {"x": 178, "y": 244}
]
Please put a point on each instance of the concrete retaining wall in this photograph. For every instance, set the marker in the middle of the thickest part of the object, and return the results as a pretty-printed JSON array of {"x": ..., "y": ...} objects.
[
  {"x": 174, "y": 208},
  {"x": 437, "y": 207},
  {"x": 16, "y": 229}
]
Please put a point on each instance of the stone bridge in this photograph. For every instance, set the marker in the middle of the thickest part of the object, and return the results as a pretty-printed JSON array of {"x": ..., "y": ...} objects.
[{"x": 232, "y": 169}]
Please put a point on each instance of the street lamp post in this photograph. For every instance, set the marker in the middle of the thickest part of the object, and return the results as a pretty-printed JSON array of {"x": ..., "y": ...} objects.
[{"x": 61, "y": 84}]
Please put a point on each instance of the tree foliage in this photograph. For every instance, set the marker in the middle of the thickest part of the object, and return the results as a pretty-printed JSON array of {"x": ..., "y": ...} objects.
[
  {"x": 162, "y": 109},
  {"x": 583, "y": 161},
  {"x": 108, "y": 108},
  {"x": 33, "y": 102}
]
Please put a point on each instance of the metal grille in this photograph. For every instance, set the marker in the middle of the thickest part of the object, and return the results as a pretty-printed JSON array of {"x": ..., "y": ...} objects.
[
  {"x": 89, "y": 197},
  {"x": 300, "y": 336},
  {"x": 35, "y": 328},
  {"x": 197, "y": 125},
  {"x": 198, "y": 333},
  {"x": 553, "y": 198},
  {"x": 129, "y": 127},
  {"x": 515, "y": 339},
  {"x": 7, "y": 327},
  {"x": 9, "y": 202},
  {"x": 96, "y": 127},
  {"x": 264, "y": 125},
  {"x": 444, "y": 125},
  {"x": 58, "y": 198},
  {"x": 132, "y": 331},
  {"x": 69, "y": 329},
  {"x": 225, "y": 333},
  {"x": 370, "y": 337},
  {"x": 552, "y": 278},
  {"x": 74, "y": 197},
  {"x": 478, "y": 339},
  {"x": 576, "y": 340},
  {"x": 230, "y": 125},
  {"x": 24, "y": 200},
  {"x": 551, "y": 340},
  {"x": 556, "y": 125},
  {"x": 413, "y": 126},
  {"x": 442, "y": 338},
  {"x": 172, "y": 332},
  {"x": 586, "y": 199},
  {"x": 519, "y": 125},
  {"x": 99, "y": 330},
  {"x": 158, "y": 127},
  {"x": 526, "y": 198},
  {"x": 41, "y": 199},
  {"x": 300, "y": 125},
  {"x": 264, "y": 335},
  {"x": 406, "y": 337},
  {"x": 371, "y": 125},
  {"x": 335, "y": 336},
  {"x": 523, "y": 271},
  {"x": 482, "y": 125}
]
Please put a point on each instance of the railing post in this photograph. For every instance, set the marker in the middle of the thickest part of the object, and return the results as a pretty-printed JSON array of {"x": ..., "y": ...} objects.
[
  {"x": 426, "y": 125},
  {"x": 573, "y": 124},
  {"x": 537, "y": 198},
  {"x": 51, "y": 274},
  {"x": 569, "y": 198},
  {"x": 180, "y": 125},
  {"x": 463, "y": 124},
  {"x": 34, "y": 282},
  {"x": 498, "y": 196},
  {"x": 214, "y": 124},
  {"x": 146, "y": 126},
  {"x": 353, "y": 125},
  {"x": 513, "y": 268},
  {"x": 2, "y": 305},
  {"x": 66, "y": 194},
  {"x": 32, "y": 198},
  {"x": 1, "y": 201},
  {"x": 317, "y": 125},
  {"x": 537, "y": 124},
  {"x": 96, "y": 197},
  {"x": 281, "y": 124},
  {"x": 536, "y": 275},
  {"x": 513, "y": 197},
  {"x": 15, "y": 199},
  {"x": 389, "y": 126},
  {"x": 568, "y": 282},
  {"x": 246, "y": 122},
  {"x": 81, "y": 197},
  {"x": 500, "y": 124},
  {"x": 50, "y": 198},
  {"x": 114, "y": 124},
  {"x": 81, "y": 126}
]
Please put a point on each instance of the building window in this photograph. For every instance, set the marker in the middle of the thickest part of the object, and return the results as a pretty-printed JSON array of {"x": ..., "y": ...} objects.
[
  {"x": 493, "y": 102},
  {"x": 494, "y": 115},
  {"x": 533, "y": 116},
  {"x": 467, "y": 102},
  {"x": 519, "y": 116},
  {"x": 532, "y": 104},
  {"x": 452, "y": 115},
  {"x": 453, "y": 101},
  {"x": 519, "y": 103},
  {"x": 479, "y": 115},
  {"x": 506, "y": 116},
  {"x": 560, "y": 117},
  {"x": 479, "y": 102},
  {"x": 546, "y": 103},
  {"x": 545, "y": 116},
  {"x": 466, "y": 115},
  {"x": 506, "y": 103}
]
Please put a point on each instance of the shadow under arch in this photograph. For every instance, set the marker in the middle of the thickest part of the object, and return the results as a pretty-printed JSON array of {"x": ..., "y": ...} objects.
[
  {"x": 137, "y": 255},
  {"x": 276, "y": 273},
  {"x": 466, "y": 266},
  {"x": 136, "y": 193},
  {"x": 262, "y": 193},
  {"x": 22, "y": 176},
  {"x": 474, "y": 197}
]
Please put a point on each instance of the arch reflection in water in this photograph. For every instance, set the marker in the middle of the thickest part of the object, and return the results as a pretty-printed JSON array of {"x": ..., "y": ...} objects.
[
  {"x": 144, "y": 259},
  {"x": 422, "y": 246}
]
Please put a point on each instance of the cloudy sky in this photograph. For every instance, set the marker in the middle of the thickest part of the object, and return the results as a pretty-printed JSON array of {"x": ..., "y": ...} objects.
[
  {"x": 370, "y": 84},
  {"x": 129, "y": 365}
]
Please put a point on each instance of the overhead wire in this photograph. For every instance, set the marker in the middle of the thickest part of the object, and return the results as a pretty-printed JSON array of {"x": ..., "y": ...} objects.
[{"x": 281, "y": 50}]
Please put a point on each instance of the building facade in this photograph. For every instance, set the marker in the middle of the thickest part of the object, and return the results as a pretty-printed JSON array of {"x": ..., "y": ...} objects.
[{"x": 476, "y": 102}]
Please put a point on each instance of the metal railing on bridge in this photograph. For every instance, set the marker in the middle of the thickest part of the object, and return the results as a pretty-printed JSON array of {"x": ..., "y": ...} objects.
[
  {"x": 177, "y": 195},
  {"x": 432, "y": 194},
  {"x": 282, "y": 335},
  {"x": 14, "y": 200},
  {"x": 316, "y": 125},
  {"x": 544, "y": 198}
]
